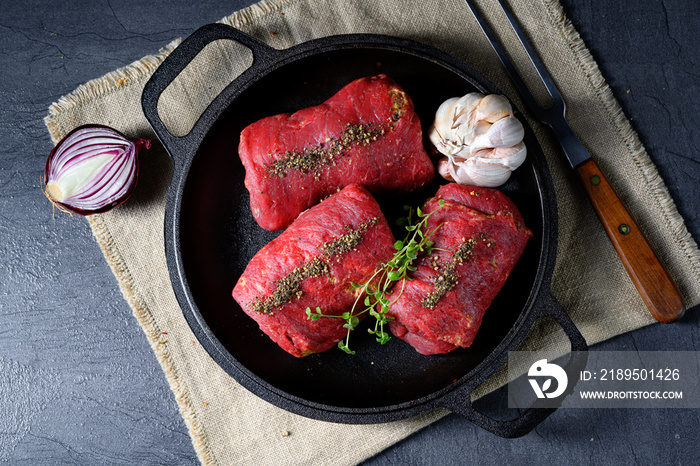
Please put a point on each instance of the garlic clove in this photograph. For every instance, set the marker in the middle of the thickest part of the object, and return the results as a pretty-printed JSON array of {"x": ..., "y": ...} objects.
[
  {"x": 446, "y": 111},
  {"x": 485, "y": 172},
  {"x": 448, "y": 147},
  {"x": 465, "y": 108},
  {"x": 469, "y": 133},
  {"x": 462, "y": 174},
  {"x": 443, "y": 139},
  {"x": 435, "y": 137},
  {"x": 511, "y": 157},
  {"x": 467, "y": 103},
  {"x": 440, "y": 132},
  {"x": 505, "y": 132},
  {"x": 462, "y": 152},
  {"x": 493, "y": 107},
  {"x": 453, "y": 172},
  {"x": 445, "y": 169},
  {"x": 481, "y": 127}
]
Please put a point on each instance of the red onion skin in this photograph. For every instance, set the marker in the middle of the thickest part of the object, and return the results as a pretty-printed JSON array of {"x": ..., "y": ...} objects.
[{"x": 140, "y": 144}]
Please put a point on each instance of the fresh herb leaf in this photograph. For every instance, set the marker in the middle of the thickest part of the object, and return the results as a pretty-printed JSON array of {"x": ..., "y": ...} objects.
[
  {"x": 375, "y": 290},
  {"x": 343, "y": 346}
]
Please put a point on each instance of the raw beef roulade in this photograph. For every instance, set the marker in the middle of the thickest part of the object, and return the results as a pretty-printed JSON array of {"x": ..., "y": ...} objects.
[
  {"x": 367, "y": 133},
  {"x": 340, "y": 241},
  {"x": 479, "y": 236}
]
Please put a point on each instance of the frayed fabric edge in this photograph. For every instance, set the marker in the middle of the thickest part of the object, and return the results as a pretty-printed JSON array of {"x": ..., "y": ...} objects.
[
  {"x": 639, "y": 156},
  {"x": 153, "y": 334}
]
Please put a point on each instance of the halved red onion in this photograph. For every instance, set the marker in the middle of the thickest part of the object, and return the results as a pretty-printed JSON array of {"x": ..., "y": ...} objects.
[{"x": 92, "y": 169}]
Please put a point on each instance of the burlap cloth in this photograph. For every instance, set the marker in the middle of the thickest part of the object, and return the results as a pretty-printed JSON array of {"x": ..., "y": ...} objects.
[{"x": 227, "y": 423}]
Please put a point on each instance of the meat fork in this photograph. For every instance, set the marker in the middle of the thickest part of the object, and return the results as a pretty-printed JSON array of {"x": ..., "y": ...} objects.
[{"x": 651, "y": 279}]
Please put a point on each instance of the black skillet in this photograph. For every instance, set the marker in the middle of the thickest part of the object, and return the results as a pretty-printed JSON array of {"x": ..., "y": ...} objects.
[{"x": 210, "y": 235}]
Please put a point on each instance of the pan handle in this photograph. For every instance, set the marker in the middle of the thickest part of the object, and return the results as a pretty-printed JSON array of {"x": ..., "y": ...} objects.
[
  {"x": 460, "y": 403},
  {"x": 176, "y": 62}
]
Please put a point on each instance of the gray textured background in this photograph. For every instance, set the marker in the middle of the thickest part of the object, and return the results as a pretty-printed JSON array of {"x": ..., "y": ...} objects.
[{"x": 78, "y": 381}]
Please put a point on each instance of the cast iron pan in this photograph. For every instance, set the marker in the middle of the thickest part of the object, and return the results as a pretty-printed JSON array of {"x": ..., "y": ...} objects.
[{"x": 210, "y": 236}]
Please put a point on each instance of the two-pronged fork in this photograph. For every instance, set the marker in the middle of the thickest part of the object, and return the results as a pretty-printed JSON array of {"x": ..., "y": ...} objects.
[{"x": 653, "y": 282}]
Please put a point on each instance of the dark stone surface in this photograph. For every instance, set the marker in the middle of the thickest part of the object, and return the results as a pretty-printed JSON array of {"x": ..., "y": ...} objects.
[{"x": 79, "y": 383}]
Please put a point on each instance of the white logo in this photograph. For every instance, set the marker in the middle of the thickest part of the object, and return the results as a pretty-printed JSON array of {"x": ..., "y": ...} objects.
[{"x": 542, "y": 368}]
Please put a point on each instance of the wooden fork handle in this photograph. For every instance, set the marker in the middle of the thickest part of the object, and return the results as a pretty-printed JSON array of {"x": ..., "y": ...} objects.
[{"x": 651, "y": 279}]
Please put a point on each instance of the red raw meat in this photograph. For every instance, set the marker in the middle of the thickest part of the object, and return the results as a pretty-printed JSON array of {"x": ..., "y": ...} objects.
[
  {"x": 367, "y": 133},
  {"x": 340, "y": 241},
  {"x": 480, "y": 238}
]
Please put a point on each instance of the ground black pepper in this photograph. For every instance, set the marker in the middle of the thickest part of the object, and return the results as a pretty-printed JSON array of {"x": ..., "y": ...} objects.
[
  {"x": 447, "y": 279},
  {"x": 289, "y": 286},
  {"x": 398, "y": 104},
  {"x": 311, "y": 160},
  {"x": 348, "y": 241}
]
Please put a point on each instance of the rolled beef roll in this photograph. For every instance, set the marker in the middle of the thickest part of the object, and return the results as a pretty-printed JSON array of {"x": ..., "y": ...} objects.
[
  {"x": 313, "y": 263},
  {"x": 479, "y": 237},
  {"x": 367, "y": 133}
]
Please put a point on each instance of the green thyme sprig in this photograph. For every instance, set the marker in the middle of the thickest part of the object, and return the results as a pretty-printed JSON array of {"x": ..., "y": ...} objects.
[{"x": 378, "y": 286}]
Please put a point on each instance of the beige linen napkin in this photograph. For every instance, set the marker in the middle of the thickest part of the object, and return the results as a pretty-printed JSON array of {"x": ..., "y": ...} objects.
[{"x": 227, "y": 423}]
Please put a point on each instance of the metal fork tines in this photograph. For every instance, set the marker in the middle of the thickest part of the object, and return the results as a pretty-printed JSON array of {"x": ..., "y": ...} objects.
[{"x": 554, "y": 116}]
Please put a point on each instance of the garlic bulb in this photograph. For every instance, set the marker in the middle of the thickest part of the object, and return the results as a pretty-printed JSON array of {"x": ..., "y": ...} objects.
[{"x": 481, "y": 139}]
